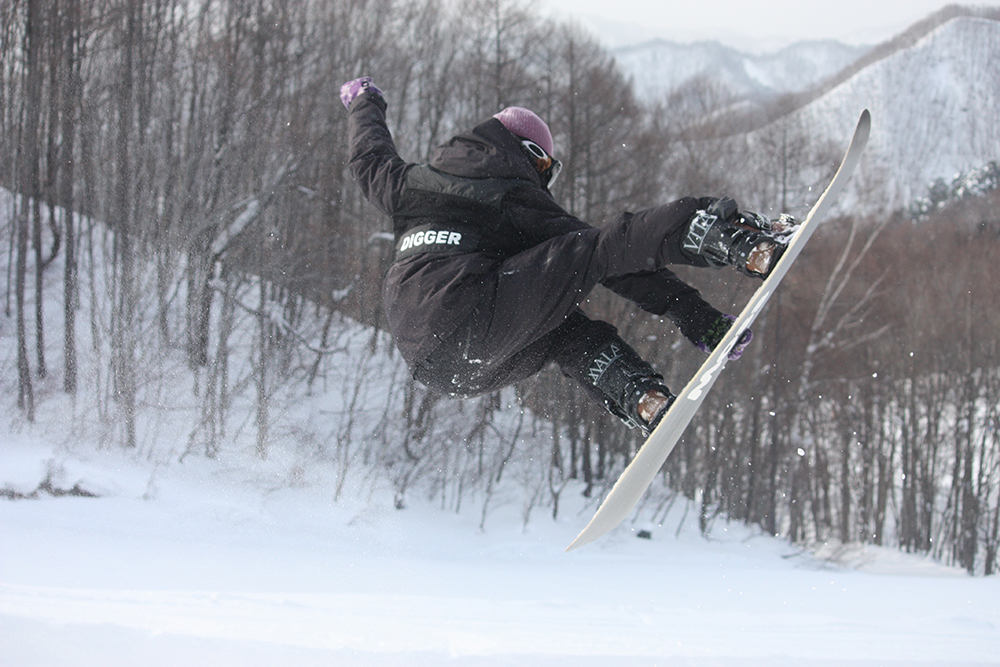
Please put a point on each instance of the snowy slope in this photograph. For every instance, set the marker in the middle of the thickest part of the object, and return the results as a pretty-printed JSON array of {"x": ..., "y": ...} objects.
[
  {"x": 243, "y": 562},
  {"x": 934, "y": 112}
]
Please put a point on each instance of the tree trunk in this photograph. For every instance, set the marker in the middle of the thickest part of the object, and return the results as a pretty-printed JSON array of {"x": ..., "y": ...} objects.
[
  {"x": 29, "y": 195},
  {"x": 70, "y": 102},
  {"x": 124, "y": 230}
]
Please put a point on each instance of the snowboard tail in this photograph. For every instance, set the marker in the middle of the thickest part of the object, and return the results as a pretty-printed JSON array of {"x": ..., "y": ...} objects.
[{"x": 650, "y": 458}]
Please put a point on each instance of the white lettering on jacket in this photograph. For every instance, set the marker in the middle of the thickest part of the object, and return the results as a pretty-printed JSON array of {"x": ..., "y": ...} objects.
[{"x": 430, "y": 237}]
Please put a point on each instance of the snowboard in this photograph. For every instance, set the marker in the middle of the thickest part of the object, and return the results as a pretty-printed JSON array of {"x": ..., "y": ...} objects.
[{"x": 647, "y": 462}]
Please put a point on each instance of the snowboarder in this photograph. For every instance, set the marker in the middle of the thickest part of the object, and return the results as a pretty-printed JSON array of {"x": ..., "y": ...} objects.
[{"x": 490, "y": 271}]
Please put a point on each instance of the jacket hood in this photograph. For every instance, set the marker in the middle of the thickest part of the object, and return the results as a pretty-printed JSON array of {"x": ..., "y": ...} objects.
[{"x": 489, "y": 150}]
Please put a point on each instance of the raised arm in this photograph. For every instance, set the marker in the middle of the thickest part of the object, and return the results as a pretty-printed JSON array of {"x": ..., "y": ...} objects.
[{"x": 374, "y": 162}]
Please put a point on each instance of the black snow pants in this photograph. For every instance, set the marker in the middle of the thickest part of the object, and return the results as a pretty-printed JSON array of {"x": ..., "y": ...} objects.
[{"x": 529, "y": 316}]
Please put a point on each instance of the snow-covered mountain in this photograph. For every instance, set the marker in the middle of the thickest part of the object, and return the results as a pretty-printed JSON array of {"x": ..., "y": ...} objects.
[
  {"x": 934, "y": 111},
  {"x": 659, "y": 66},
  {"x": 934, "y": 94}
]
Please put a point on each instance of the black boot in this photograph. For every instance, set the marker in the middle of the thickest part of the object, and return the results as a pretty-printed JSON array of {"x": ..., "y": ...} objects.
[
  {"x": 628, "y": 386},
  {"x": 748, "y": 241}
]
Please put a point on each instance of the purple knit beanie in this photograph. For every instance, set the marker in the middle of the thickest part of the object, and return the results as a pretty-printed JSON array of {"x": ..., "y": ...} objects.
[{"x": 527, "y": 125}]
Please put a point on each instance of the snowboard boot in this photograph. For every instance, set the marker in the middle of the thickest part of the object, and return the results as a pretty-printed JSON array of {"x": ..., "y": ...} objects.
[
  {"x": 628, "y": 386},
  {"x": 748, "y": 241}
]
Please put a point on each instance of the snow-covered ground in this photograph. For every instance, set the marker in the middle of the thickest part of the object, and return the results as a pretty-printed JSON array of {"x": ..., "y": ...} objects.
[{"x": 238, "y": 561}]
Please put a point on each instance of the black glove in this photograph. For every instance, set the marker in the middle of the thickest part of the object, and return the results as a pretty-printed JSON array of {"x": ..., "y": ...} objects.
[{"x": 706, "y": 328}]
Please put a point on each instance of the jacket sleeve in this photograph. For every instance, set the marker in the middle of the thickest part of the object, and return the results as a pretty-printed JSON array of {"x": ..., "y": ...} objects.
[
  {"x": 663, "y": 293},
  {"x": 373, "y": 161},
  {"x": 536, "y": 217}
]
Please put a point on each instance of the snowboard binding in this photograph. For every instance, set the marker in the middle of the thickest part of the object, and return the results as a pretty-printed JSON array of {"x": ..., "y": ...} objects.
[{"x": 748, "y": 241}]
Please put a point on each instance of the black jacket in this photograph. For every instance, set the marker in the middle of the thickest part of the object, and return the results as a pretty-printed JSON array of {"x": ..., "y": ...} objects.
[{"x": 479, "y": 182}]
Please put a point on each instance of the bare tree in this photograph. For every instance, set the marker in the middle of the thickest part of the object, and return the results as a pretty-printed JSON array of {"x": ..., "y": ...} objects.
[{"x": 30, "y": 195}]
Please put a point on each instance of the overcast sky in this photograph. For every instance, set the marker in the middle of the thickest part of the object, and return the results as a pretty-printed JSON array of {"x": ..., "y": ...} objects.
[{"x": 768, "y": 24}]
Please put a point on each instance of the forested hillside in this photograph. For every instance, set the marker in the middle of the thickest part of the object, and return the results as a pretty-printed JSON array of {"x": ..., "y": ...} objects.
[{"x": 183, "y": 217}]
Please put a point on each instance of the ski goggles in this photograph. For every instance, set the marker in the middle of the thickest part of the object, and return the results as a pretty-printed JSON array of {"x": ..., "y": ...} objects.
[{"x": 547, "y": 166}]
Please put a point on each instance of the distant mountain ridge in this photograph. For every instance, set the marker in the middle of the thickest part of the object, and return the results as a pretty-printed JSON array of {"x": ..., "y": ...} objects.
[
  {"x": 910, "y": 37},
  {"x": 805, "y": 70},
  {"x": 660, "y": 66}
]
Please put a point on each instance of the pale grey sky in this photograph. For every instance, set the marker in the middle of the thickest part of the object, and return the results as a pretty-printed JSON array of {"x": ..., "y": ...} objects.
[{"x": 767, "y": 23}]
